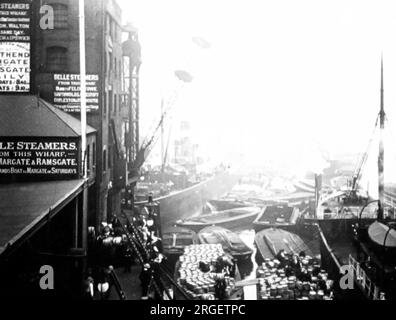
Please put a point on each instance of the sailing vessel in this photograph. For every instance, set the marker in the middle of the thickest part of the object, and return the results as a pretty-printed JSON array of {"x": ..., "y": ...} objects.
[{"x": 358, "y": 230}]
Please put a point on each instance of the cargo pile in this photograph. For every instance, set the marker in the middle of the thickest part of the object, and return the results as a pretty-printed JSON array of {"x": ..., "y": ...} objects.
[
  {"x": 298, "y": 278},
  {"x": 197, "y": 283}
]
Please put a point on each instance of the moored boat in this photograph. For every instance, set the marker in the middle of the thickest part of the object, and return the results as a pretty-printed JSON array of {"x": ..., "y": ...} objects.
[
  {"x": 271, "y": 241},
  {"x": 175, "y": 239},
  {"x": 229, "y": 240},
  {"x": 231, "y": 219},
  {"x": 276, "y": 217}
]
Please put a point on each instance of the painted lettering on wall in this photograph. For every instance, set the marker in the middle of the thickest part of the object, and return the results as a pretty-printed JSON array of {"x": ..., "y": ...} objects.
[{"x": 23, "y": 158}]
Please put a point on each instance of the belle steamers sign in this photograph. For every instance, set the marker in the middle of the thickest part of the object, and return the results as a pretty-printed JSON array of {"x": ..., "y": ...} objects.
[
  {"x": 67, "y": 92},
  {"x": 15, "y": 48},
  {"x": 47, "y": 159}
]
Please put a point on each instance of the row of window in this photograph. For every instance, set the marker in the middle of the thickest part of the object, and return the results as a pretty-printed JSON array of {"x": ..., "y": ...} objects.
[
  {"x": 107, "y": 158},
  {"x": 61, "y": 21},
  {"x": 113, "y": 64},
  {"x": 61, "y": 15},
  {"x": 113, "y": 28},
  {"x": 91, "y": 157},
  {"x": 114, "y": 102},
  {"x": 91, "y": 154},
  {"x": 56, "y": 61}
]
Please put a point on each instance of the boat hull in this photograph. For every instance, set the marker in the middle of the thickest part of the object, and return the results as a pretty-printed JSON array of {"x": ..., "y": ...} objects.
[
  {"x": 270, "y": 241},
  {"x": 176, "y": 239},
  {"x": 268, "y": 218}
]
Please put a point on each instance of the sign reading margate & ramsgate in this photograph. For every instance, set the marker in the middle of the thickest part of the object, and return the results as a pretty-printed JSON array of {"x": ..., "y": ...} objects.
[
  {"x": 30, "y": 159},
  {"x": 15, "y": 49},
  {"x": 67, "y": 95}
]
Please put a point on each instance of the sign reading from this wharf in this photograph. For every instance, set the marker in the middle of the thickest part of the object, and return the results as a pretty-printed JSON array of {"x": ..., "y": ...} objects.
[
  {"x": 67, "y": 94},
  {"x": 26, "y": 159},
  {"x": 15, "y": 48}
]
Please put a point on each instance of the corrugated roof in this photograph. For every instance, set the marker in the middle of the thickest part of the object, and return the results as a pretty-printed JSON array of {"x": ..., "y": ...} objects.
[{"x": 29, "y": 116}]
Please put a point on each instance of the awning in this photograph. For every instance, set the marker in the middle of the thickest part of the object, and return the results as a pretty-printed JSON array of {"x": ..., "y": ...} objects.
[
  {"x": 378, "y": 231},
  {"x": 25, "y": 207}
]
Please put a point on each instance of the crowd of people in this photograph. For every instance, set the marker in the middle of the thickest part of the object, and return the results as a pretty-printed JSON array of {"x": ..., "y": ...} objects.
[{"x": 135, "y": 241}]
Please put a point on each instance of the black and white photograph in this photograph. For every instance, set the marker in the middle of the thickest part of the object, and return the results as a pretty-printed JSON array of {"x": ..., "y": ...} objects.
[{"x": 198, "y": 155}]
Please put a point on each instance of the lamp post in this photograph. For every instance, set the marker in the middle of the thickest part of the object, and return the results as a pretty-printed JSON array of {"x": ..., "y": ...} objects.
[{"x": 83, "y": 90}]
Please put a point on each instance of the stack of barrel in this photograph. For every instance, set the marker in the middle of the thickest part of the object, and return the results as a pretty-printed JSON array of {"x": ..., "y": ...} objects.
[
  {"x": 199, "y": 284},
  {"x": 311, "y": 284}
]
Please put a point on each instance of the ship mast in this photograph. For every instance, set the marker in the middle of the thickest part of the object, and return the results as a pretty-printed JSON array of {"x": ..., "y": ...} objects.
[{"x": 381, "y": 183}]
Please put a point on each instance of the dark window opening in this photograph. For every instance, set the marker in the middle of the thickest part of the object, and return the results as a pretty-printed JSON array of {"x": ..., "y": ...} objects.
[
  {"x": 105, "y": 105},
  {"x": 93, "y": 154},
  {"x": 89, "y": 158},
  {"x": 104, "y": 161},
  {"x": 60, "y": 16},
  {"x": 116, "y": 107}
]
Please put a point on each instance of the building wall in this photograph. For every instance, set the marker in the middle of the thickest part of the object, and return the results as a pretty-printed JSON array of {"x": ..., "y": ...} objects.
[{"x": 104, "y": 57}]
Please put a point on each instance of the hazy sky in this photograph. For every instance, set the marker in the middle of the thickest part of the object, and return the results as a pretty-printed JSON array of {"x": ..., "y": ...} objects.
[{"x": 282, "y": 80}]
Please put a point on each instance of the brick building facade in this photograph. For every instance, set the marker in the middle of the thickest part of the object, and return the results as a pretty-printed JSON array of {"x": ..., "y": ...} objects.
[{"x": 112, "y": 103}]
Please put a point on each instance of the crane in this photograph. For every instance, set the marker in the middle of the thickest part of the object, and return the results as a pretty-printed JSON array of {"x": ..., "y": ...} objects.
[{"x": 352, "y": 195}]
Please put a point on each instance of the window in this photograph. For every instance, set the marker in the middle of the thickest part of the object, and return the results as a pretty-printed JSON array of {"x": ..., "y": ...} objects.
[
  {"x": 121, "y": 101},
  {"x": 104, "y": 160},
  {"x": 105, "y": 105},
  {"x": 60, "y": 15},
  {"x": 93, "y": 154},
  {"x": 56, "y": 59},
  {"x": 111, "y": 101},
  {"x": 115, "y": 66},
  {"x": 110, "y": 61},
  {"x": 88, "y": 158},
  {"x": 116, "y": 107}
]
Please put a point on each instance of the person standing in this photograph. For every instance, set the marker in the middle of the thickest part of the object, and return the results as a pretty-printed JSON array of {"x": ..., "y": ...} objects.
[{"x": 145, "y": 279}]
